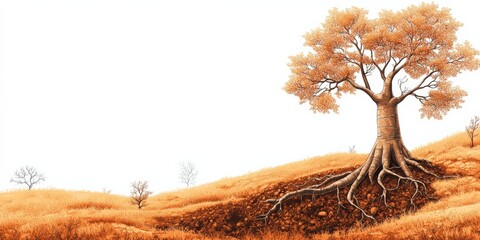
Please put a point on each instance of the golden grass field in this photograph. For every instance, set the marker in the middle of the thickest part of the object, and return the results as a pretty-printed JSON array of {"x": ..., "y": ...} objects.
[{"x": 59, "y": 214}]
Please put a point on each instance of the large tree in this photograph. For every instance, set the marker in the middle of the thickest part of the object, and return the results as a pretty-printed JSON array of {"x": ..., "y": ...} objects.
[{"x": 412, "y": 52}]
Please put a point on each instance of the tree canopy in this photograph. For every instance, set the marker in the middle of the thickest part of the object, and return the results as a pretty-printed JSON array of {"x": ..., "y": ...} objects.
[{"x": 417, "y": 47}]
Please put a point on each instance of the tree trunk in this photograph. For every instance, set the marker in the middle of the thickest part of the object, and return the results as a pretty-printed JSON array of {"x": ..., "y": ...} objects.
[
  {"x": 388, "y": 127},
  {"x": 389, "y": 148}
]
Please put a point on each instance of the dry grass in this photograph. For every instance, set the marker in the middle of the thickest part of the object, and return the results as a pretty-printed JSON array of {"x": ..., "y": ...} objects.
[
  {"x": 47, "y": 214},
  {"x": 58, "y": 214}
]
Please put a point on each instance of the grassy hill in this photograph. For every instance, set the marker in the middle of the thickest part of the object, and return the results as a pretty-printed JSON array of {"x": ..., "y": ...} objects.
[{"x": 47, "y": 214}]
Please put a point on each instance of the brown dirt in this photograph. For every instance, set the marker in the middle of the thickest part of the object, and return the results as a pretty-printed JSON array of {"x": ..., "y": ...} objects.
[{"x": 303, "y": 215}]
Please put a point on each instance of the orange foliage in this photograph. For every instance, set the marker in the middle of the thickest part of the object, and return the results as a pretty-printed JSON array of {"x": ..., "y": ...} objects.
[
  {"x": 442, "y": 99},
  {"x": 419, "y": 41}
]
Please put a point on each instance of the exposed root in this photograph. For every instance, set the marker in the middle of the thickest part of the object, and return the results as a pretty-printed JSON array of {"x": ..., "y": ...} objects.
[
  {"x": 341, "y": 183},
  {"x": 377, "y": 161},
  {"x": 331, "y": 178},
  {"x": 324, "y": 180},
  {"x": 416, "y": 183},
  {"x": 353, "y": 188},
  {"x": 384, "y": 189},
  {"x": 339, "y": 203},
  {"x": 385, "y": 156}
]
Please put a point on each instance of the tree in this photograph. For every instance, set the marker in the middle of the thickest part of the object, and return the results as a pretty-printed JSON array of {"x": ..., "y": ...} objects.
[
  {"x": 472, "y": 128},
  {"x": 351, "y": 53},
  {"x": 107, "y": 191},
  {"x": 139, "y": 193},
  {"x": 27, "y": 175},
  {"x": 188, "y": 173},
  {"x": 352, "y": 149}
]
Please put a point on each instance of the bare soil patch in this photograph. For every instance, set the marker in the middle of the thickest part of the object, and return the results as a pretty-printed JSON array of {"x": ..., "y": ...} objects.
[{"x": 306, "y": 215}]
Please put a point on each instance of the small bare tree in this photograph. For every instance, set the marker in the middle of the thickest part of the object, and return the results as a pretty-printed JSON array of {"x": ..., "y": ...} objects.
[
  {"x": 352, "y": 149},
  {"x": 188, "y": 173},
  {"x": 106, "y": 191},
  {"x": 27, "y": 175},
  {"x": 472, "y": 129},
  {"x": 140, "y": 193}
]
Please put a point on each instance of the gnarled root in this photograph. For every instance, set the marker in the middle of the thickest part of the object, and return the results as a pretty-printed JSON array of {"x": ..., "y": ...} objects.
[{"x": 385, "y": 156}]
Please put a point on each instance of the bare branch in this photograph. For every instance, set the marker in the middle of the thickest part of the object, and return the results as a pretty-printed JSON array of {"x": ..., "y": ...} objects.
[
  {"x": 402, "y": 88},
  {"x": 430, "y": 84}
]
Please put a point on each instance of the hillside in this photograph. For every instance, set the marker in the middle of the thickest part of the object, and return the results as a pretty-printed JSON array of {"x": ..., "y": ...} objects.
[{"x": 47, "y": 214}]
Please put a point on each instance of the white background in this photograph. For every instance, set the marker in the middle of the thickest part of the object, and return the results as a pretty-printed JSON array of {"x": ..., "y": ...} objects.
[{"x": 96, "y": 94}]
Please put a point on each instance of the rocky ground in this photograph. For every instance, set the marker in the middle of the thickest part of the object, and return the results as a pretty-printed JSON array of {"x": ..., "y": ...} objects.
[{"x": 306, "y": 215}]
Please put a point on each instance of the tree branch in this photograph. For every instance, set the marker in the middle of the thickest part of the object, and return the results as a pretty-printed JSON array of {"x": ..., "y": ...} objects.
[
  {"x": 360, "y": 64},
  {"x": 363, "y": 89},
  {"x": 383, "y": 69},
  {"x": 399, "y": 65},
  {"x": 418, "y": 87},
  {"x": 382, "y": 73}
]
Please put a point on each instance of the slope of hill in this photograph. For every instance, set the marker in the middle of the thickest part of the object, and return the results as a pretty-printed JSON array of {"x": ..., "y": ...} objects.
[{"x": 47, "y": 214}]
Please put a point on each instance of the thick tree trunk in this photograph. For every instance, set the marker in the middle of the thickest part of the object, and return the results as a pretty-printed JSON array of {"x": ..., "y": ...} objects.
[
  {"x": 388, "y": 127},
  {"x": 389, "y": 148}
]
